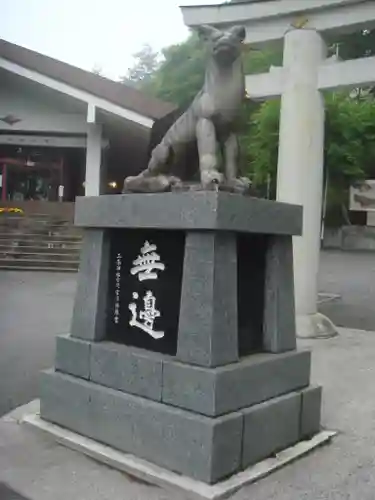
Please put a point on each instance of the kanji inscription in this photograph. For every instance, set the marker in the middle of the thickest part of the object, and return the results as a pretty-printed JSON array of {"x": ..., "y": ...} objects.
[{"x": 145, "y": 279}]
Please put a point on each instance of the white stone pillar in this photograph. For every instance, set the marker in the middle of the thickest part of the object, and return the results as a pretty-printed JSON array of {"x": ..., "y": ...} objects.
[
  {"x": 93, "y": 178},
  {"x": 300, "y": 165}
]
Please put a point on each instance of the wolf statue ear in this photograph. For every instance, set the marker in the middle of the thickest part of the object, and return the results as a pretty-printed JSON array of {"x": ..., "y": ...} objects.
[
  {"x": 206, "y": 32},
  {"x": 239, "y": 32}
]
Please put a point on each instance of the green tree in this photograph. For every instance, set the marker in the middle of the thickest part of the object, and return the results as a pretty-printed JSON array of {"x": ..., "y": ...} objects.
[
  {"x": 97, "y": 70},
  {"x": 260, "y": 144},
  {"x": 146, "y": 63},
  {"x": 180, "y": 75},
  {"x": 349, "y": 150},
  {"x": 349, "y": 146},
  {"x": 355, "y": 45}
]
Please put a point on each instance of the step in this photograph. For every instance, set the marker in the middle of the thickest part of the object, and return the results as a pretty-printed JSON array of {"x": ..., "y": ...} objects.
[
  {"x": 39, "y": 237},
  {"x": 27, "y": 220},
  {"x": 48, "y": 237},
  {"x": 13, "y": 222},
  {"x": 30, "y": 228},
  {"x": 38, "y": 269},
  {"x": 17, "y": 256},
  {"x": 43, "y": 245},
  {"x": 41, "y": 217},
  {"x": 46, "y": 220},
  {"x": 28, "y": 215},
  {"x": 62, "y": 248},
  {"x": 25, "y": 263}
]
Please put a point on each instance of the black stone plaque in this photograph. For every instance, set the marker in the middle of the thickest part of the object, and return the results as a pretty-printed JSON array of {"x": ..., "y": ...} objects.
[
  {"x": 251, "y": 255},
  {"x": 145, "y": 277}
]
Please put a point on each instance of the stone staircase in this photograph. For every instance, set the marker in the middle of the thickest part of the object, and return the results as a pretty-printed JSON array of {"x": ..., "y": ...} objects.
[{"x": 39, "y": 242}]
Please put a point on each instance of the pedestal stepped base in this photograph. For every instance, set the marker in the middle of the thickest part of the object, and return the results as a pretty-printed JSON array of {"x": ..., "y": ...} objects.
[{"x": 215, "y": 406}]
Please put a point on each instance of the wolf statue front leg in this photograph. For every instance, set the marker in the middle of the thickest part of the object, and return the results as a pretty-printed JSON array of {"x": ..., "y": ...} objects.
[
  {"x": 153, "y": 179},
  {"x": 231, "y": 156},
  {"x": 207, "y": 152}
]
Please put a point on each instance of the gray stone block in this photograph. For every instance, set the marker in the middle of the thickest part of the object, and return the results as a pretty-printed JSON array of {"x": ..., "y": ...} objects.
[
  {"x": 358, "y": 238},
  {"x": 270, "y": 427},
  {"x": 190, "y": 387},
  {"x": 203, "y": 448},
  {"x": 207, "y": 333},
  {"x": 73, "y": 356},
  {"x": 64, "y": 400},
  {"x": 226, "y": 438},
  {"x": 279, "y": 327},
  {"x": 89, "y": 312},
  {"x": 311, "y": 411},
  {"x": 256, "y": 215},
  {"x": 127, "y": 369},
  {"x": 229, "y": 388},
  {"x": 191, "y": 210}
]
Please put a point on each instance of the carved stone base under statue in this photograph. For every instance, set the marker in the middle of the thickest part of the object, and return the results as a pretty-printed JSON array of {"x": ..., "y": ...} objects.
[{"x": 183, "y": 344}]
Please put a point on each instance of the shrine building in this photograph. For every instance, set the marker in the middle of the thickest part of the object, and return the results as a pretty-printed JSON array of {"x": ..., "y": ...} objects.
[{"x": 66, "y": 132}]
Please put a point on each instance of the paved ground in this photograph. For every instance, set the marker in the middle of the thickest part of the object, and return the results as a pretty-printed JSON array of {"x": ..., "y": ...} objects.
[
  {"x": 352, "y": 275},
  {"x": 344, "y": 470},
  {"x": 34, "y": 307}
]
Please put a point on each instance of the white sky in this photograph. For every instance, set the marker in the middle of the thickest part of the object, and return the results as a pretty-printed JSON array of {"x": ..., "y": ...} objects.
[{"x": 88, "y": 33}]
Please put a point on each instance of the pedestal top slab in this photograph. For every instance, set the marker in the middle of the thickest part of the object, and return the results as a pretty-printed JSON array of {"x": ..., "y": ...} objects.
[{"x": 201, "y": 210}]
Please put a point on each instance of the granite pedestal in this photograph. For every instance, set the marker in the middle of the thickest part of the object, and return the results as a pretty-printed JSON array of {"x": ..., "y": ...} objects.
[{"x": 182, "y": 348}]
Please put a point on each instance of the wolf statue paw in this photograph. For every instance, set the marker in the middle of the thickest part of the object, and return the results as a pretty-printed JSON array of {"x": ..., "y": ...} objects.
[
  {"x": 239, "y": 185},
  {"x": 142, "y": 184},
  {"x": 211, "y": 178}
]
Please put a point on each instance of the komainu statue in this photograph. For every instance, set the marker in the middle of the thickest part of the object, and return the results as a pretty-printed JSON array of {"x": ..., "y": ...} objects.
[{"x": 210, "y": 121}]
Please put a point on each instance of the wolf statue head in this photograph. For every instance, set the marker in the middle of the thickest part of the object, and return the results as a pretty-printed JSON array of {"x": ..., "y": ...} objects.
[{"x": 224, "y": 46}]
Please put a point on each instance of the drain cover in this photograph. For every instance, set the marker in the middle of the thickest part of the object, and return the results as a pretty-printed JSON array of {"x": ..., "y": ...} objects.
[{"x": 6, "y": 493}]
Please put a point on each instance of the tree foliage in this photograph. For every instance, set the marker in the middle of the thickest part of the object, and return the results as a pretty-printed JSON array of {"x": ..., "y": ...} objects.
[
  {"x": 146, "y": 63},
  {"x": 349, "y": 153},
  {"x": 349, "y": 138},
  {"x": 97, "y": 70},
  {"x": 181, "y": 74},
  {"x": 355, "y": 45},
  {"x": 178, "y": 73},
  {"x": 262, "y": 142}
]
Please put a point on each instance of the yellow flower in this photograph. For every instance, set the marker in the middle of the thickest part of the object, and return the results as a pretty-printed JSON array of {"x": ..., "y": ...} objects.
[{"x": 11, "y": 210}]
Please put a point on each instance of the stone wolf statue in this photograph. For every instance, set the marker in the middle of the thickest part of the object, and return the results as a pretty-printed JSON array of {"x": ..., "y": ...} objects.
[{"x": 209, "y": 120}]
